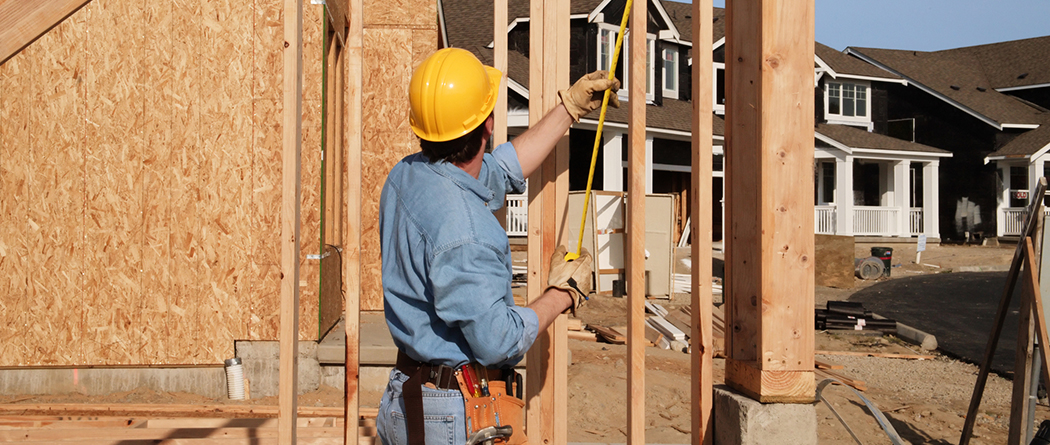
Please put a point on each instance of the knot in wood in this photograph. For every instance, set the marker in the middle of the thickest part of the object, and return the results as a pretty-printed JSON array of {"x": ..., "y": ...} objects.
[
  {"x": 773, "y": 62},
  {"x": 754, "y": 300},
  {"x": 286, "y": 44}
]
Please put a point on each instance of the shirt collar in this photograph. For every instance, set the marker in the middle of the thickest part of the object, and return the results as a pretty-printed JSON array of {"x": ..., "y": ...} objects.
[{"x": 461, "y": 178}]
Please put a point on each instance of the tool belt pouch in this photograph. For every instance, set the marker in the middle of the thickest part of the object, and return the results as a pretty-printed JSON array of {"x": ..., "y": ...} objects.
[{"x": 496, "y": 409}]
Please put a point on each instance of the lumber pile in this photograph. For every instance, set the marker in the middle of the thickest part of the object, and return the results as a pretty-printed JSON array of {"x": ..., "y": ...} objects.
[
  {"x": 851, "y": 316},
  {"x": 175, "y": 424}
]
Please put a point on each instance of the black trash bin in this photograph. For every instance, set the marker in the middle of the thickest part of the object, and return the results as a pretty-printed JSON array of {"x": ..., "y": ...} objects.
[{"x": 886, "y": 255}]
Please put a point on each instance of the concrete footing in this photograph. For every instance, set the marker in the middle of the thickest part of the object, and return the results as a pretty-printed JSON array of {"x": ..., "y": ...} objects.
[
  {"x": 740, "y": 420},
  {"x": 208, "y": 382}
]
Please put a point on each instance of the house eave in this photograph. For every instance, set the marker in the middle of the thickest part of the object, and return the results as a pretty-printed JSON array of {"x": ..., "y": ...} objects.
[{"x": 1024, "y": 87}]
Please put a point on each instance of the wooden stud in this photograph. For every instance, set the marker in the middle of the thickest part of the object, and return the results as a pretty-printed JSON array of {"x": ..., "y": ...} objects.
[
  {"x": 769, "y": 200},
  {"x": 1022, "y": 382},
  {"x": 634, "y": 254},
  {"x": 290, "y": 219},
  {"x": 499, "y": 61},
  {"x": 22, "y": 22},
  {"x": 352, "y": 248},
  {"x": 701, "y": 226},
  {"x": 535, "y": 374}
]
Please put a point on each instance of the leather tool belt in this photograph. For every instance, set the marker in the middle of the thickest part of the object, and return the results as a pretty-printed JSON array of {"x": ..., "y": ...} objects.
[{"x": 498, "y": 408}]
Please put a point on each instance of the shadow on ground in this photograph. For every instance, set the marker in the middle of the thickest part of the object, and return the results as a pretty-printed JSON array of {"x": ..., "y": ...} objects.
[{"x": 958, "y": 308}]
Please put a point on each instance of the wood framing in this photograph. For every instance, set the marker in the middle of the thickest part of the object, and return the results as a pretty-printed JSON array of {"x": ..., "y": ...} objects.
[
  {"x": 634, "y": 255},
  {"x": 499, "y": 61},
  {"x": 769, "y": 199},
  {"x": 290, "y": 216},
  {"x": 24, "y": 21},
  {"x": 547, "y": 368},
  {"x": 701, "y": 226},
  {"x": 352, "y": 251}
]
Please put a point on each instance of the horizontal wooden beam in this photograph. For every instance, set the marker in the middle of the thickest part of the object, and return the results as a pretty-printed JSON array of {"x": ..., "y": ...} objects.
[
  {"x": 152, "y": 410},
  {"x": 24, "y": 21}
]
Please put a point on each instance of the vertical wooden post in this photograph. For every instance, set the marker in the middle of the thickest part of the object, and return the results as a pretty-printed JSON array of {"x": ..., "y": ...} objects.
[
  {"x": 769, "y": 198},
  {"x": 499, "y": 61},
  {"x": 635, "y": 248},
  {"x": 701, "y": 202},
  {"x": 291, "y": 190},
  {"x": 352, "y": 248},
  {"x": 547, "y": 372}
]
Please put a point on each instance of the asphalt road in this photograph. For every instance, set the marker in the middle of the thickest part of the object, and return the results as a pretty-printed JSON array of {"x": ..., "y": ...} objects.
[{"x": 959, "y": 308}]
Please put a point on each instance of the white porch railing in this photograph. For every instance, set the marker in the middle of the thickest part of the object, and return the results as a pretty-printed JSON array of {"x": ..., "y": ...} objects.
[
  {"x": 517, "y": 215},
  {"x": 915, "y": 221},
  {"x": 826, "y": 222},
  {"x": 1013, "y": 218},
  {"x": 875, "y": 221}
]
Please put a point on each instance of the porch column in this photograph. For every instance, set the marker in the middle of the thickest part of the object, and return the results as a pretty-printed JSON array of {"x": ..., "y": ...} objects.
[
  {"x": 648, "y": 164},
  {"x": 902, "y": 197},
  {"x": 612, "y": 157},
  {"x": 1003, "y": 200},
  {"x": 844, "y": 196},
  {"x": 931, "y": 200}
]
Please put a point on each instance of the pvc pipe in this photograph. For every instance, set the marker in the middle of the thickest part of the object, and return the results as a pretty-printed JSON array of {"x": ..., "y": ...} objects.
[{"x": 235, "y": 379}]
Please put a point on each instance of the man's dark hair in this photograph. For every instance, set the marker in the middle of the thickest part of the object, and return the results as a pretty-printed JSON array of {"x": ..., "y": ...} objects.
[{"x": 461, "y": 149}]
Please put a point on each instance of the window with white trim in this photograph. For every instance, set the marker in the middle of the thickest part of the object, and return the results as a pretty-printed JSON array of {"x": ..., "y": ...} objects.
[
  {"x": 847, "y": 102},
  {"x": 606, "y": 48},
  {"x": 670, "y": 57}
]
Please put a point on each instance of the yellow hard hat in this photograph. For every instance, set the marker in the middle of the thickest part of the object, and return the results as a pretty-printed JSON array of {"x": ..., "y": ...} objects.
[{"x": 451, "y": 93}]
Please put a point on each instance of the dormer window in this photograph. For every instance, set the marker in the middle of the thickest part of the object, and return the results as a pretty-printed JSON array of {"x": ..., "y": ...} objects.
[
  {"x": 847, "y": 102},
  {"x": 607, "y": 46}
]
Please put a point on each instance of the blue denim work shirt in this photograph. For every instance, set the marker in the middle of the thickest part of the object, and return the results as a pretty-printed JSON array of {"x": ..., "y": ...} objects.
[{"x": 447, "y": 264}]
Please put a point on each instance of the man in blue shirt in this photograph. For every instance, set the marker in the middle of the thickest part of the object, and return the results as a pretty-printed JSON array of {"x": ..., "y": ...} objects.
[{"x": 446, "y": 259}]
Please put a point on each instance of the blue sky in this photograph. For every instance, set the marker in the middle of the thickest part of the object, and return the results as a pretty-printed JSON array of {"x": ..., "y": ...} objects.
[{"x": 927, "y": 25}]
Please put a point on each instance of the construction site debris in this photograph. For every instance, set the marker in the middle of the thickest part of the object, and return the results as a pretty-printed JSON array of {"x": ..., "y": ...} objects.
[{"x": 851, "y": 316}]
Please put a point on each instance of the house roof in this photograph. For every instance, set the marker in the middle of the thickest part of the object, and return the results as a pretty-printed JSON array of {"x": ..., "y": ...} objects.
[
  {"x": 957, "y": 76},
  {"x": 1017, "y": 63},
  {"x": 682, "y": 16},
  {"x": 845, "y": 64},
  {"x": 857, "y": 138}
]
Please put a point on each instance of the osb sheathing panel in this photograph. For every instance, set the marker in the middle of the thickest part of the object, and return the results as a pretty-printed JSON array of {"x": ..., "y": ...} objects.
[
  {"x": 14, "y": 181},
  {"x": 402, "y": 14},
  {"x": 56, "y": 194},
  {"x": 140, "y": 170},
  {"x": 391, "y": 51}
]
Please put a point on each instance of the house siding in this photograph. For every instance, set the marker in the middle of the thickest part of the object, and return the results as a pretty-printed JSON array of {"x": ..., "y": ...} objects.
[{"x": 939, "y": 124}]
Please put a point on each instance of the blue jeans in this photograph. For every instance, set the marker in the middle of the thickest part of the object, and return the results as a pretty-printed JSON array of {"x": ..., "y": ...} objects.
[{"x": 444, "y": 417}]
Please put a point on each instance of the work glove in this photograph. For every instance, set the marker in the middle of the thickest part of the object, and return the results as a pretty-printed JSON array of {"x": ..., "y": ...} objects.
[
  {"x": 572, "y": 276},
  {"x": 586, "y": 94}
]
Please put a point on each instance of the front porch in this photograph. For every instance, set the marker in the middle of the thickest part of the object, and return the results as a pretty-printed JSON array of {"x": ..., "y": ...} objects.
[{"x": 872, "y": 221}]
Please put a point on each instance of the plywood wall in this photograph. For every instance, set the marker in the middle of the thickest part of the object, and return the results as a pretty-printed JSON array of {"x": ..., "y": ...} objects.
[
  {"x": 398, "y": 36},
  {"x": 140, "y": 183}
]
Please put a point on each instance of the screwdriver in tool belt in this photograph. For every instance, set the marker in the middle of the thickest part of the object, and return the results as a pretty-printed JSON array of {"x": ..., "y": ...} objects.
[{"x": 484, "y": 382}]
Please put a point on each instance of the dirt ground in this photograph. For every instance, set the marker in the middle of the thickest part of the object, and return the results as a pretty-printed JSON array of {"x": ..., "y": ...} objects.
[{"x": 925, "y": 400}]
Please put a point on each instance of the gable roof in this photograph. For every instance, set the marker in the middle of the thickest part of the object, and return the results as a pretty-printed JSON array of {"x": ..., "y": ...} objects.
[
  {"x": 1029, "y": 144},
  {"x": 858, "y": 139},
  {"x": 844, "y": 65},
  {"x": 956, "y": 77}
]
